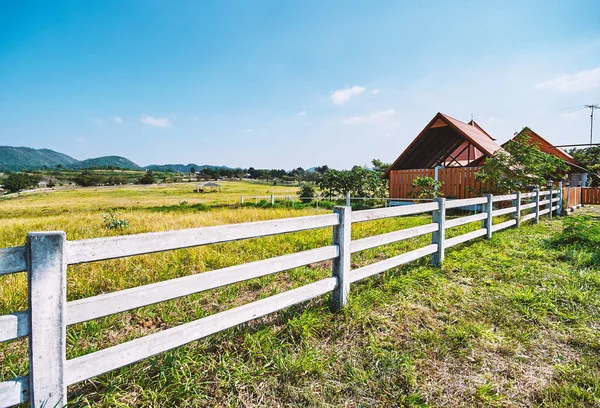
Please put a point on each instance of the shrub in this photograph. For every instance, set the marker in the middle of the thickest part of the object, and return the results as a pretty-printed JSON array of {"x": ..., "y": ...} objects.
[
  {"x": 111, "y": 221},
  {"x": 20, "y": 181},
  {"x": 147, "y": 178},
  {"x": 580, "y": 231},
  {"x": 306, "y": 192},
  {"x": 427, "y": 187}
]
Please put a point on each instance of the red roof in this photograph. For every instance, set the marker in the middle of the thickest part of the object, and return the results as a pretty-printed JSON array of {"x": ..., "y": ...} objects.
[
  {"x": 479, "y": 138},
  {"x": 441, "y": 137}
]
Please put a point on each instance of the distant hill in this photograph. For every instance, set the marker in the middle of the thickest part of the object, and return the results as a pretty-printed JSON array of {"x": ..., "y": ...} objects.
[
  {"x": 184, "y": 168},
  {"x": 107, "y": 161},
  {"x": 26, "y": 158}
]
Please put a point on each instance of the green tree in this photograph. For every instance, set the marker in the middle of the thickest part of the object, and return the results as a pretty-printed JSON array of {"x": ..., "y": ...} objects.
[
  {"x": 147, "y": 178},
  {"x": 519, "y": 165},
  {"x": 590, "y": 159},
  {"x": 89, "y": 178},
  {"x": 306, "y": 192},
  {"x": 427, "y": 187},
  {"x": 358, "y": 182},
  {"x": 193, "y": 170},
  {"x": 20, "y": 181}
]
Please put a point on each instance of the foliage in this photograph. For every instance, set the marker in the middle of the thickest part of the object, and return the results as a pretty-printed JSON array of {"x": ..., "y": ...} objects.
[
  {"x": 590, "y": 159},
  {"x": 89, "y": 178},
  {"x": 112, "y": 222},
  {"x": 20, "y": 181},
  {"x": 147, "y": 178},
  {"x": 580, "y": 231},
  {"x": 518, "y": 166},
  {"x": 306, "y": 192},
  {"x": 427, "y": 187},
  {"x": 358, "y": 182}
]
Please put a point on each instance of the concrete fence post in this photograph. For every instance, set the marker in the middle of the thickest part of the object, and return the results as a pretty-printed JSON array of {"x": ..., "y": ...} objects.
[
  {"x": 47, "y": 287},
  {"x": 242, "y": 200},
  {"x": 342, "y": 234},
  {"x": 489, "y": 207},
  {"x": 272, "y": 199},
  {"x": 347, "y": 199},
  {"x": 536, "y": 209},
  {"x": 517, "y": 214},
  {"x": 438, "y": 237},
  {"x": 559, "y": 203}
]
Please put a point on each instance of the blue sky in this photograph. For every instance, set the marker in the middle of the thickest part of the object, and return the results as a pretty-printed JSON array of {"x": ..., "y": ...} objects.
[{"x": 289, "y": 83}]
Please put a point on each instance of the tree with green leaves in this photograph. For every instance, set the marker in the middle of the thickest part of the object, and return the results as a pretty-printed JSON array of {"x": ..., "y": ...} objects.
[
  {"x": 590, "y": 159},
  {"x": 426, "y": 187},
  {"x": 306, "y": 192},
  {"x": 20, "y": 181},
  {"x": 358, "y": 182},
  {"x": 518, "y": 166}
]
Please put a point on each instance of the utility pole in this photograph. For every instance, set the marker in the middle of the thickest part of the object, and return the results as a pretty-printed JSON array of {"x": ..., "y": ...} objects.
[{"x": 591, "y": 108}]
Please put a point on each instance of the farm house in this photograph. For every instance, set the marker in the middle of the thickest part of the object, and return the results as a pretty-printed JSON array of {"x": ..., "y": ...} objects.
[{"x": 452, "y": 151}]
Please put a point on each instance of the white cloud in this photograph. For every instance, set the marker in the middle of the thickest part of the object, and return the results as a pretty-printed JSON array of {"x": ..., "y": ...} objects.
[
  {"x": 577, "y": 82},
  {"x": 375, "y": 91},
  {"x": 385, "y": 117},
  {"x": 154, "y": 121},
  {"x": 302, "y": 113},
  {"x": 344, "y": 95},
  {"x": 116, "y": 119}
]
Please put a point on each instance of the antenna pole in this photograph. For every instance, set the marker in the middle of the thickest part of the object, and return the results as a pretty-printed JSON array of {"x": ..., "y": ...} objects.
[{"x": 592, "y": 124}]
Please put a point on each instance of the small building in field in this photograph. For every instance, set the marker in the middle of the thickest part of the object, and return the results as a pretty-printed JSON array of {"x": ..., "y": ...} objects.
[
  {"x": 452, "y": 151},
  {"x": 207, "y": 187},
  {"x": 43, "y": 184}
]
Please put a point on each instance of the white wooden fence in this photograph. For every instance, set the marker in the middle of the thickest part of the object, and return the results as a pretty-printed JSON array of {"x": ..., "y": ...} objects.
[{"x": 46, "y": 255}]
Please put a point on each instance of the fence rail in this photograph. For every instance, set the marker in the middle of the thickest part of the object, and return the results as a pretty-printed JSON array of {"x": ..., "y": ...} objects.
[{"x": 46, "y": 256}]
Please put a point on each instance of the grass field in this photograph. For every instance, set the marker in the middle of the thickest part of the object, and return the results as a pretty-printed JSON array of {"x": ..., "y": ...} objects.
[{"x": 507, "y": 322}]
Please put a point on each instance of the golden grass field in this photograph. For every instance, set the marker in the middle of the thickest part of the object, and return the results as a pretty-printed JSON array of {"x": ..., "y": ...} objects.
[{"x": 506, "y": 322}]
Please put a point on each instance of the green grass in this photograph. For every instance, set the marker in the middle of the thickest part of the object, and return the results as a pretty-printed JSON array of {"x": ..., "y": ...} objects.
[{"x": 508, "y": 322}]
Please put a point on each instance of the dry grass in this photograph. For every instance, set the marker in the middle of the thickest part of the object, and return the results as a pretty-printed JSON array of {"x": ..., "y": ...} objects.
[{"x": 507, "y": 322}]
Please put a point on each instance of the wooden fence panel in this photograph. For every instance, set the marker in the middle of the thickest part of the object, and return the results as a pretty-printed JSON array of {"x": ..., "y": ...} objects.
[
  {"x": 457, "y": 182},
  {"x": 590, "y": 195}
]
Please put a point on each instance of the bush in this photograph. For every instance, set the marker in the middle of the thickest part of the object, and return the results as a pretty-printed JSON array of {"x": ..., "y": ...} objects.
[
  {"x": 147, "y": 178},
  {"x": 111, "y": 221},
  {"x": 306, "y": 192},
  {"x": 20, "y": 181},
  {"x": 579, "y": 231},
  {"x": 427, "y": 187}
]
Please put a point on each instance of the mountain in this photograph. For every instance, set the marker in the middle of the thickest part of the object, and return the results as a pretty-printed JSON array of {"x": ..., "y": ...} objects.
[
  {"x": 107, "y": 161},
  {"x": 26, "y": 158},
  {"x": 184, "y": 168}
]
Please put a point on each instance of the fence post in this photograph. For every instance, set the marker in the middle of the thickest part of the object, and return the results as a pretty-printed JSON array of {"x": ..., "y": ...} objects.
[
  {"x": 550, "y": 204},
  {"x": 242, "y": 200},
  {"x": 488, "y": 221},
  {"x": 342, "y": 234},
  {"x": 517, "y": 215},
  {"x": 347, "y": 199},
  {"x": 438, "y": 237},
  {"x": 47, "y": 271},
  {"x": 272, "y": 199},
  {"x": 536, "y": 209},
  {"x": 559, "y": 203}
]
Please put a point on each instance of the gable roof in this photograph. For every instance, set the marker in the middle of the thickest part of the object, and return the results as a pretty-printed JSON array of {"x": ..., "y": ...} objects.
[
  {"x": 547, "y": 147},
  {"x": 439, "y": 139}
]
